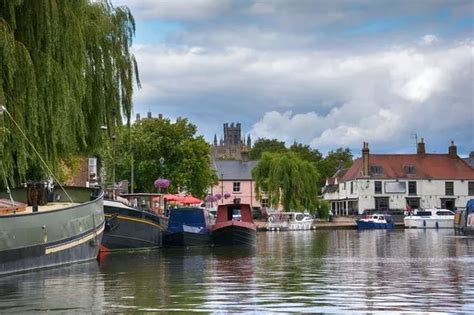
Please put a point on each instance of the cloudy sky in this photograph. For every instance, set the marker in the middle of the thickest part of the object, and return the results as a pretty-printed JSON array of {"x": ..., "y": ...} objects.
[{"x": 324, "y": 73}]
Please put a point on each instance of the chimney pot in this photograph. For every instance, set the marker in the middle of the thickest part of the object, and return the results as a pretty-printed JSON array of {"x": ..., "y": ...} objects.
[
  {"x": 420, "y": 148},
  {"x": 453, "y": 150}
]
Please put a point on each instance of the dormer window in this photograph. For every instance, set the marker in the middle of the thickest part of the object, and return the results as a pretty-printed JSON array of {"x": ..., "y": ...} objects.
[
  {"x": 410, "y": 169},
  {"x": 376, "y": 169}
]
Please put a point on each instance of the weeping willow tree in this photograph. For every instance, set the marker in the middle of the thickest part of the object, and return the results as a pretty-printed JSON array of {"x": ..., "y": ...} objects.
[
  {"x": 286, "y": 179},
  {"x": 65, "y": 70}
]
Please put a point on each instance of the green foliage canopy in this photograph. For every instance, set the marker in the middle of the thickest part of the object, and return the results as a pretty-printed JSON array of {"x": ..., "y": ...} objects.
[
  {"x": 266, "y": 145},
  {"x": 65, "y": 66},
  {"x": 335, "y": 159},
  {"x": 187, "y": 159},
  {"x": 286, "y": 179}
]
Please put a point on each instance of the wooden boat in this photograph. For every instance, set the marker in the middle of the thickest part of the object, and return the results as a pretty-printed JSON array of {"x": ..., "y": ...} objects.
[
  {"x": 464, "y": 220},
  {"x": 49, "y": 233},
  {"x": 430, "y": 218},
  {"x": 375, "y": 221},
  {"x": 289, "y": 221},
  {"x": 187, "y": 227},
  {"x": 234, "y": 226},
  {"x": 133, "y": 221}
]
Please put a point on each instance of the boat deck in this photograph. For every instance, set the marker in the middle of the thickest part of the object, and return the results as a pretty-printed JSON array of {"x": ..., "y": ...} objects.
[{"x": 49, "y": 207}]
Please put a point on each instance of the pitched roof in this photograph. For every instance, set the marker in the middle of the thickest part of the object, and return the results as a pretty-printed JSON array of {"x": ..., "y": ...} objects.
[
  {"x": 234, "y": 170},
  {"x": 427, "y": 166},
  {"x": 470, "y": 160}
]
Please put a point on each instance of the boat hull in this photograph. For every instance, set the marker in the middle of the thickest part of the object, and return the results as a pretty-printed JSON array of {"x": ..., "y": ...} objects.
[
  {"x": 128, "y": 228},
  {"x": 187, "y": 239},
  {"x": 429, "y": 223},
  {"x": 363, "y": 225},
  {"x": 47, "y": 239},
  {"x": 233, "y": 234}
]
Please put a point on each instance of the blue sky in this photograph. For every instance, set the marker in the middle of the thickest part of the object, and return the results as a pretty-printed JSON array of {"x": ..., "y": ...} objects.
[{"x": 323, "y": 73}]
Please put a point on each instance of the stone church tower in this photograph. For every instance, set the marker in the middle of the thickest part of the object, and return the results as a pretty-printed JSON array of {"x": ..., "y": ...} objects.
[{"x": 232, "y": 146}]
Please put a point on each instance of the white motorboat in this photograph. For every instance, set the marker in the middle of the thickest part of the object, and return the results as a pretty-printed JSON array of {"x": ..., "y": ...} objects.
[
  {"x": 430, "y": 218},
  {"x": 289, "y": 221}
]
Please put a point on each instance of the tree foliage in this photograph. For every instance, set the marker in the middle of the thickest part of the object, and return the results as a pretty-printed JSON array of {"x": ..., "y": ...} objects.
[
  {"x": 65, "y": 66},
  {"x": 306, "y": 152},
  {"x": 335, "y": 159},
  {"x": 266, "y": 145},
  {"x": 186, "y": 157},
  {"x": 288, "y": 180}
]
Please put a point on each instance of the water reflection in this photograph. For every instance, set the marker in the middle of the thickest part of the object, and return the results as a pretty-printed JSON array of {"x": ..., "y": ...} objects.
[
  {"x": 75, "y": 288},
  {"x": 307, "y": 271}
]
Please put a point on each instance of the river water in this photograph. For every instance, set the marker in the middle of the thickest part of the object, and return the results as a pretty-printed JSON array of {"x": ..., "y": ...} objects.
[{"x": 308, "y": 271}]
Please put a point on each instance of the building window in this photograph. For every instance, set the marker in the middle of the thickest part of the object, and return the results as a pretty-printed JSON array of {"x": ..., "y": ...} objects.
[
  {"x": 352, "y": 187},
  {"x": 264, "y": 202},
  {"x": 410, "y": 169},
  {"x": 378, "y": 187},
  {"x": 449, "y": 189},
  {"x": 236, "y": 187},
  {"x": 470, "y": 188},
  {"x": 376, "y": 169},
  {"x": 412, "y": 188},
  {"x": 381, "y": 203}
]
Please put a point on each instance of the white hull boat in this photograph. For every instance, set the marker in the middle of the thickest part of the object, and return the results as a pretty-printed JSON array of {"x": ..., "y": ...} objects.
[
  {"x": 430, "y": 219},
  {"x": 289, "y": 221}
]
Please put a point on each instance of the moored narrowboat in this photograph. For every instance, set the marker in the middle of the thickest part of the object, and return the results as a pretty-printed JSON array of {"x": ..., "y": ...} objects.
[
  {"x": 187, "y": 227},
  {"x": 133, "y": 221},
  {"x": 42, "y": 228},
  {"x": 464, "y": 220},
  {"x": 234, "y": 226}
]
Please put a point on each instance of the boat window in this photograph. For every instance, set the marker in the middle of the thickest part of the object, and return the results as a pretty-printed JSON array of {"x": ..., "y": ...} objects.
[
  {"x": 444, "y": 213},
  {"x": 375, "y": 217},
  {"x": 381, "y": 218},
  {"x": 423, "y": 213},
  {"x": 299, "y": 217},
  {"x": 236, "y": 214}
]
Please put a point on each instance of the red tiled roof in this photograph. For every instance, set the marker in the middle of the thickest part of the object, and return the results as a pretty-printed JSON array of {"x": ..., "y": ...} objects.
[{"x": 427, "y": 166}]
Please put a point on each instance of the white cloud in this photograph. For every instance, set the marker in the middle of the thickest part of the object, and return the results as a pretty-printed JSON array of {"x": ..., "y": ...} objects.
[{"x": 429, "y": 39}]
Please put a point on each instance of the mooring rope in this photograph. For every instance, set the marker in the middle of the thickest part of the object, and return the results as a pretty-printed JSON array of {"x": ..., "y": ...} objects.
[{"x": 37, "y": 153}]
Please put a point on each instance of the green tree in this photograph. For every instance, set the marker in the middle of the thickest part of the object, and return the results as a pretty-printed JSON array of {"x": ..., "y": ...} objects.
[
  {"x": 186, "y": 157},
  {"x": 266, "y": 145},
  {"x": 288, "y": 180},
  {"x": 329, "y": 165},
  {"x": 306, "y": 153},
  {"x": 65, "y": 67}
]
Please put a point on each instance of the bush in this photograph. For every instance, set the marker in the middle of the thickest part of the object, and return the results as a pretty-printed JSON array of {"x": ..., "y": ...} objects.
[{"x": 323, "y": 209}]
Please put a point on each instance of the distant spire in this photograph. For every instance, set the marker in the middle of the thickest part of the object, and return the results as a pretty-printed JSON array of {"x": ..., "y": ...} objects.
[
  {"x": 249, "y": 142},
  {"x": 215, "y": 140}
]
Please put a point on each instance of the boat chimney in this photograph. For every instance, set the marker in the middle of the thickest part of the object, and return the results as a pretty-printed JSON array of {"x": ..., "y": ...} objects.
[
  {"x": 365, "y": 159},
  {"x": 452, "y": 150},
  {"x": 420, "y": 148}
]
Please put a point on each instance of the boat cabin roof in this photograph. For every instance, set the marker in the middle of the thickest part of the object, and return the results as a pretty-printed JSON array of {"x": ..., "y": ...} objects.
[{"x": 230, "y": 212}]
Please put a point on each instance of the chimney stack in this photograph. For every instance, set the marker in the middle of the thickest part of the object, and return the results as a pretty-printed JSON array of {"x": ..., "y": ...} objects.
[
  {"x": 365, "y": 159},
  {"x": 420, "y": 149},
  {"x": 452, "y": 150}
]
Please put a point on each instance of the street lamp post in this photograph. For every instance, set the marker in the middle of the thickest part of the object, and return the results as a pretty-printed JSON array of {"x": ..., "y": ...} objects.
[{"x": 222, "y": 186}]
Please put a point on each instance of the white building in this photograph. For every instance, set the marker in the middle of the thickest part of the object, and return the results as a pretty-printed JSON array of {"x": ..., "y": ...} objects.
[{"x": 393, "y": 181}]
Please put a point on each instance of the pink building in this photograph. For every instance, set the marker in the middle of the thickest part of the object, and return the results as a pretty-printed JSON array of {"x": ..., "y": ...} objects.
[{"x": 235, "y": 178}]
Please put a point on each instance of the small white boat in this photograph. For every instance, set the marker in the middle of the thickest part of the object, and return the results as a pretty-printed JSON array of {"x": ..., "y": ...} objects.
[
  {"x": 430, "y": 218},
  {"x": 289, "y": 221}
]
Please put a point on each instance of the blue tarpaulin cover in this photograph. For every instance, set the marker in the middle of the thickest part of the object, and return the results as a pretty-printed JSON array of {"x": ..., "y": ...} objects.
[{"x": 188, "y": 219}]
